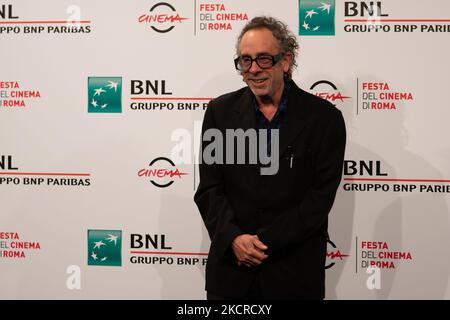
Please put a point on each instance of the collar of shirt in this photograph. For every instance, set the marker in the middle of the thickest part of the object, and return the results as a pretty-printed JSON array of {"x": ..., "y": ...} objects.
[{"x": 262, "y": 122}]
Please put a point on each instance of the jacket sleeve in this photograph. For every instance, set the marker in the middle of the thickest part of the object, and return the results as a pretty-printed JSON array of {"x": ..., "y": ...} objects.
[
  {"x": 299, "y": 223},
  {"x": 211, "y": 200}
]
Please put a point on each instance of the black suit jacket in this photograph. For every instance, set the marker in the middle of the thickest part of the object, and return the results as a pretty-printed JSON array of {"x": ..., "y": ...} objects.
[{"x": 288, "y": 211}]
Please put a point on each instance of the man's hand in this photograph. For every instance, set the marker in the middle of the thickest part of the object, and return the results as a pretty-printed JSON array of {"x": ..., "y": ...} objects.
[{"x": 249, "y": 251}]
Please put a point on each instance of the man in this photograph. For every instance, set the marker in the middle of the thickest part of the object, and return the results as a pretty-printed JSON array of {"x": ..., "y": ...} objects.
[{"x": 269, "y": 232}]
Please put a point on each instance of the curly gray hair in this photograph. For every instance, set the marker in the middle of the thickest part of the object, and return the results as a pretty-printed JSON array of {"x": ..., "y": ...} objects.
[{"x": 287, "y": 41}]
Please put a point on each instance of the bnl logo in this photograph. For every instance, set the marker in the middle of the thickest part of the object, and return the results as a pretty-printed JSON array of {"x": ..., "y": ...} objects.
[
  {"x": 6, "y": 12},
  {"x": 104, "y": 247},
  {"x": 104, "y": 94},
  {"x": 316, "y": 17}
]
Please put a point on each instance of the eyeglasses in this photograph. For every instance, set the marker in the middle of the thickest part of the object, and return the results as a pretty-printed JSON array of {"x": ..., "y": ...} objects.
[{"x": 264, "y": 61}]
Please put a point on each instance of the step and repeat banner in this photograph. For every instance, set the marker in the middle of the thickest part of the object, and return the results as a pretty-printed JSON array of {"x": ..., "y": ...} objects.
[{"x": 101, "y": 104}]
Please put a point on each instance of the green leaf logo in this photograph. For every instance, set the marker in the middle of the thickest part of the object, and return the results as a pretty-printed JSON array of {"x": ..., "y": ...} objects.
[
  {"x": 105, "y": 94},
  {"x": 316, "y": 17},
  {"x": 104, "y": 247}
]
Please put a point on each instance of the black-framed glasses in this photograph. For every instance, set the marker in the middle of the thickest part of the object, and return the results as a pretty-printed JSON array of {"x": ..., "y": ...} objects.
[{"x": 264, "y": 61}]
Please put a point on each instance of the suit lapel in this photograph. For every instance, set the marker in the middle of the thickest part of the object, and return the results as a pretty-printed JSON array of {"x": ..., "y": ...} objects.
[
  {"x": 244, "y": 113},
  {"x": 244, "y": 118},
  {"x": 295, "y": 118}
]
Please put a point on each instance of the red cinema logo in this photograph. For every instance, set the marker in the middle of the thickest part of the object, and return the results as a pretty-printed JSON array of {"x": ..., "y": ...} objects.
[
  {"x": 161, "y": 20},
  {"x": 322, "y": 90},
  {"x": 333, "y": 255},
  {"x": 163, "y": 174}
]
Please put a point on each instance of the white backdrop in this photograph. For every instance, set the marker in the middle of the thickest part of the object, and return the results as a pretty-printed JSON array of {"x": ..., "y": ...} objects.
[{"x": 50, "y": 130}]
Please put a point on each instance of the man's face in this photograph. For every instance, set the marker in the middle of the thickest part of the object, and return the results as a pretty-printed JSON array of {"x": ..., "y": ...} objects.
[{"x": 264, "y": 83}]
